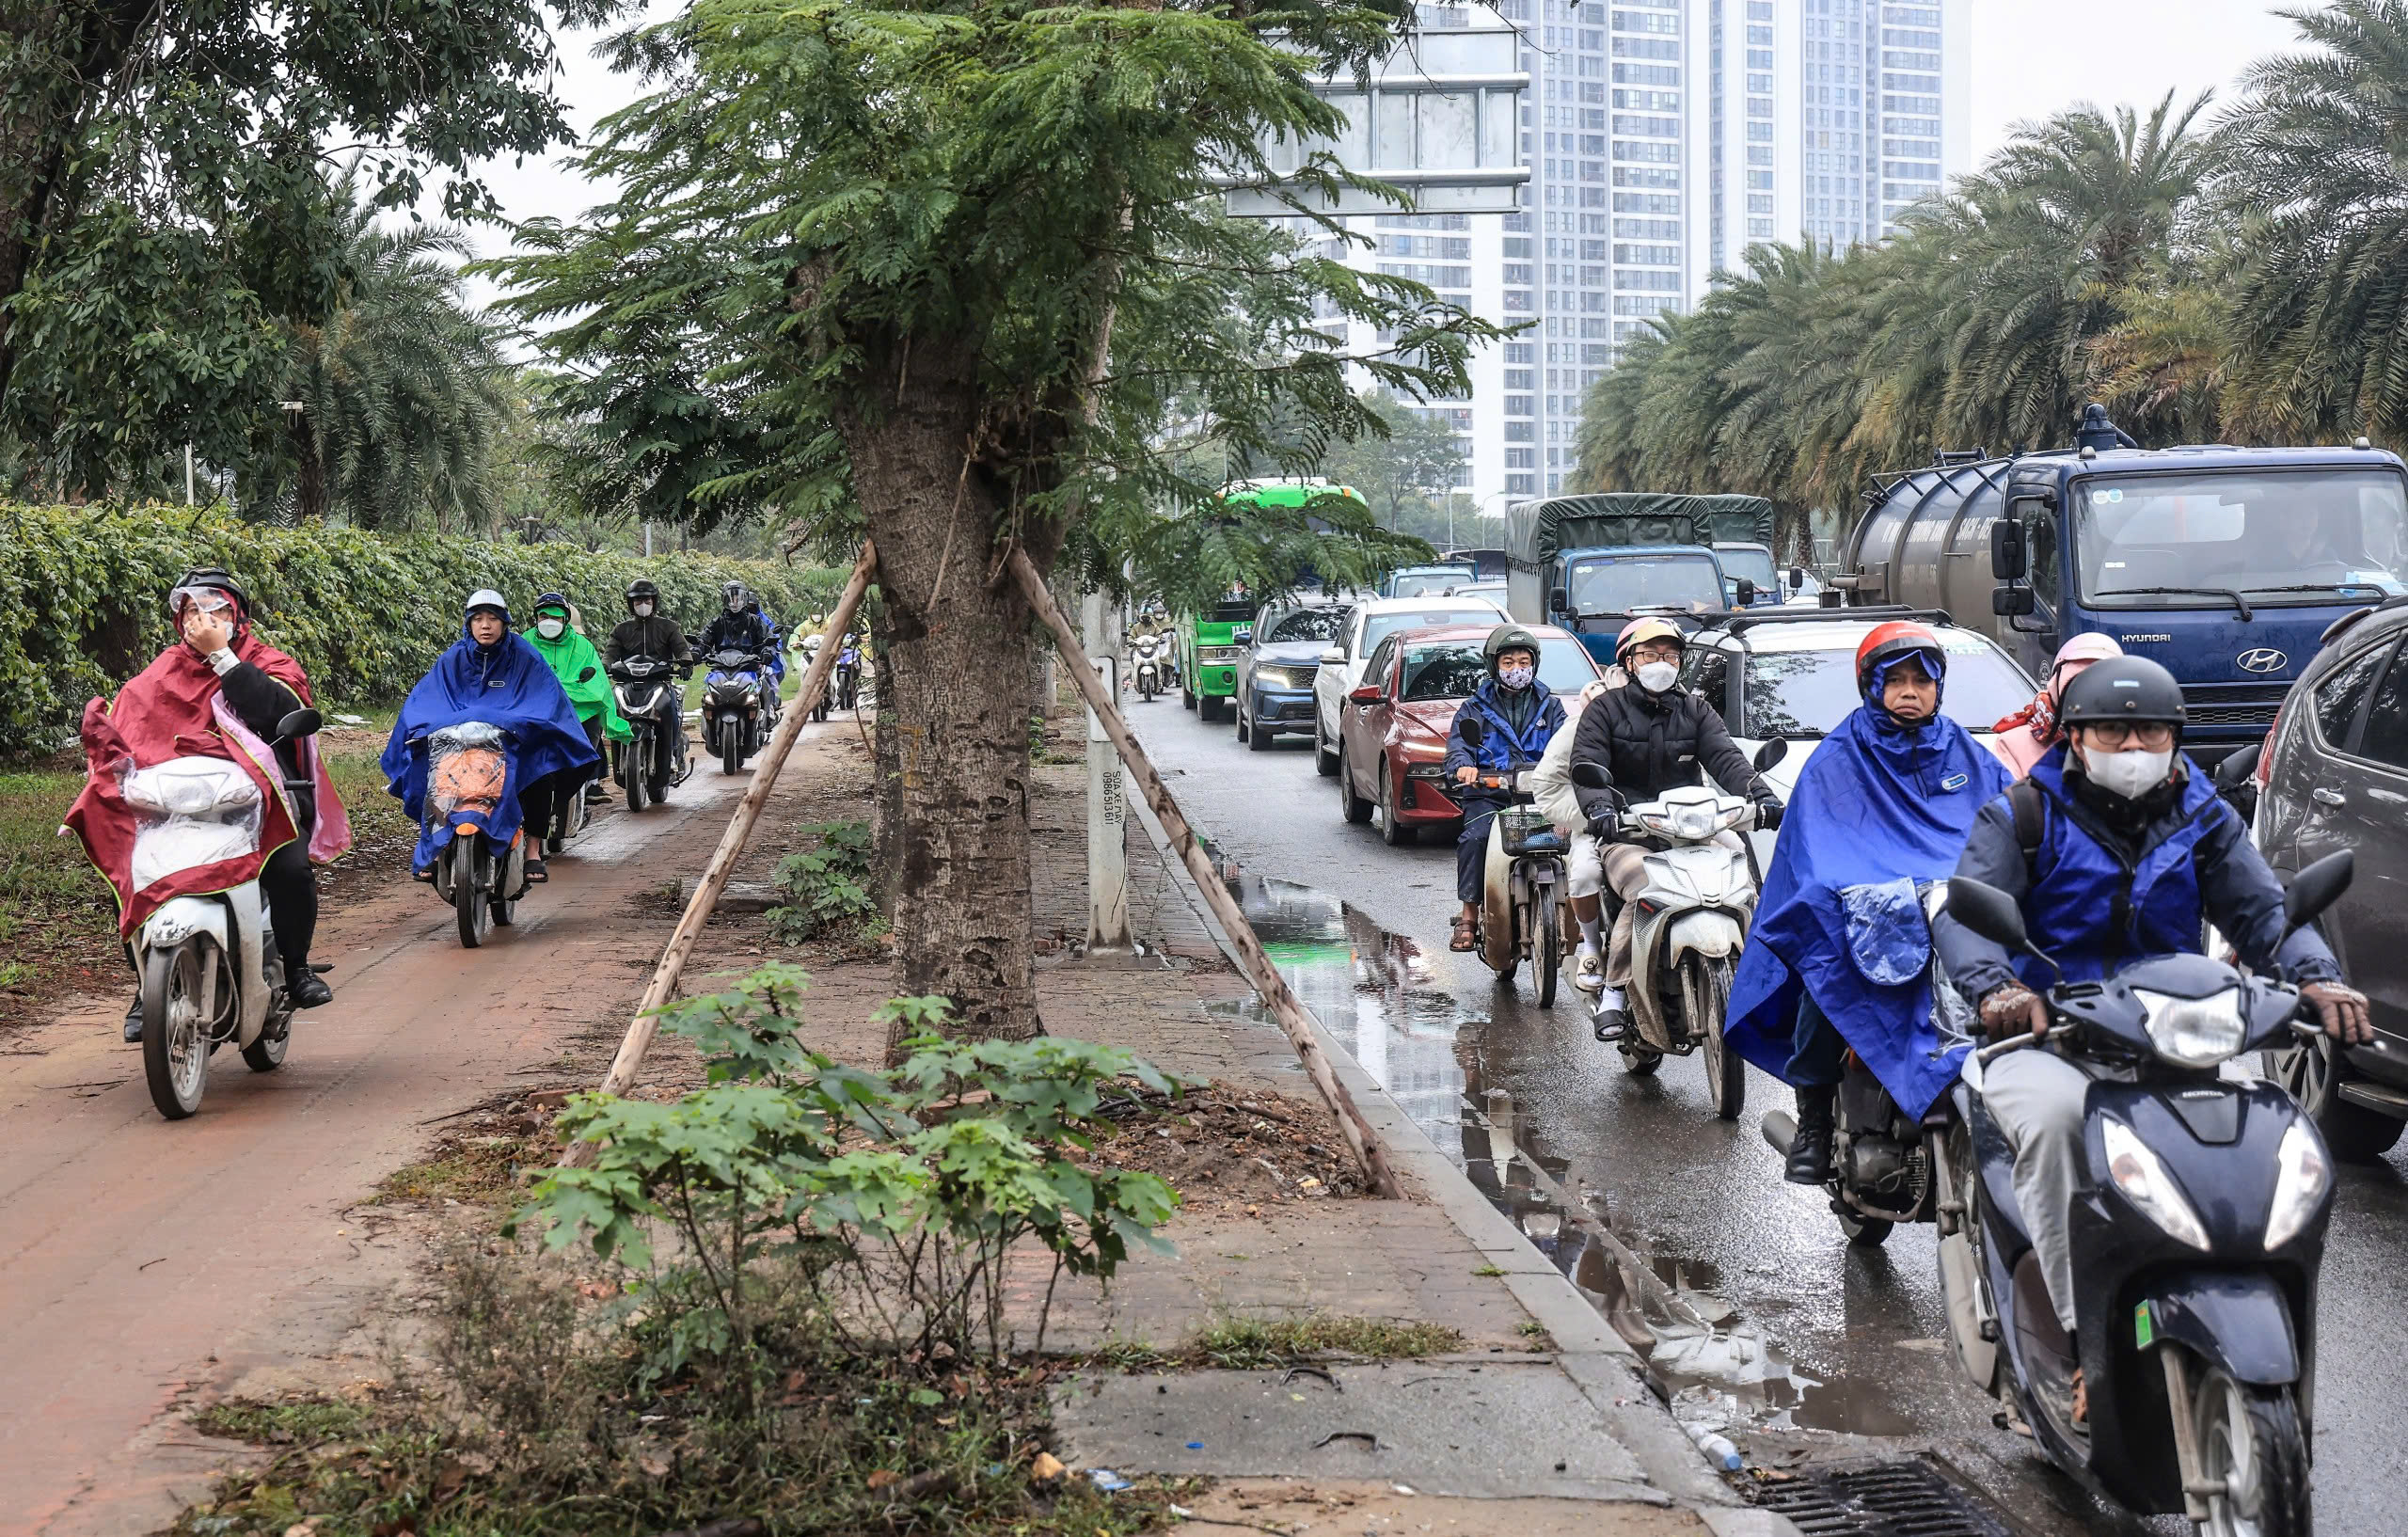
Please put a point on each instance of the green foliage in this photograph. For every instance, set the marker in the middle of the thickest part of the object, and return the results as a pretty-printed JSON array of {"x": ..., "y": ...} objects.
[
  {"x": 828, "y": 888},
  {"x": 1407, "y": 472},
  {"x": 896, "y": 1198},
  {"x": 82, "y": 594}
]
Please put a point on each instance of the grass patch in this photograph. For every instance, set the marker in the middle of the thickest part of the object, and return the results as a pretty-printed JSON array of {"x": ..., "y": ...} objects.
[
  {"x": 302, "y": 1422},
  {"x": 483, "y": 1171},
  {"x": 1249, "y": 1345}
]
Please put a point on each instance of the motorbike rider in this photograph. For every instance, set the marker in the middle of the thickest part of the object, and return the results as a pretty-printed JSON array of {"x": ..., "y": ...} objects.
[
  {"x": 2021, "y": 738},
  {"x": 738, "y": 627},
  {"x": 647, "y": 631},
  {"x": 1650, "y": 736},
  {"x": 554, "y": 635},
  {"x": 849, "y": 666},
  {"x": 179, "y": 706},
  {"x": 2116, "y": 848},
  {"x": 1839, "y": 954},
  {"x": 494, "y": 676},
  {"x": 1522, "y": 716}
]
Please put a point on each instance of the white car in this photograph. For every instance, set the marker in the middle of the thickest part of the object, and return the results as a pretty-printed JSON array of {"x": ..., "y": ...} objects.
[
  {"x": 1791, "y": 673},
  {"x": 1368, "y": 623}
]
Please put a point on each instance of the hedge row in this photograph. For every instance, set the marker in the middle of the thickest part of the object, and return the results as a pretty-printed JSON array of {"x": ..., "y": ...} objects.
[{"x": 82, "y": 594}]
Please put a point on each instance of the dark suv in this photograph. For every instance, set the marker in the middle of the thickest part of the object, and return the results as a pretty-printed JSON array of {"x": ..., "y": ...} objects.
[{"x": 2336, "y": 776}]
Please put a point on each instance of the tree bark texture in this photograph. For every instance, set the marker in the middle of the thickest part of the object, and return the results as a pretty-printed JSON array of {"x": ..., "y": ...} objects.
[{"x": 309, "y": 471}]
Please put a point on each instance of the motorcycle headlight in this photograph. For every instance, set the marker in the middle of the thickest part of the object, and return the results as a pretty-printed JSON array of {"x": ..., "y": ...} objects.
[
  {"x": 2302, "y": 1177},
  {"x": 1695, "y": 823},
  {"x": 2193, "y": 1032},
  {"x": 2148, "y": 1184}
]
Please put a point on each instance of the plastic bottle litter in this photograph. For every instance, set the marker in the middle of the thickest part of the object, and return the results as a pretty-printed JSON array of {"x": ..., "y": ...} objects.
[{"x": 1717, "y": 1450}]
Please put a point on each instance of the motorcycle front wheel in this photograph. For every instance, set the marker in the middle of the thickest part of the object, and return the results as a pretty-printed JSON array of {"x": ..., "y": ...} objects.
[
  {"x": 730, "y": 747},
  {"x": 1705, "y": 996},
  {"x": 1546, "y": 946},
  {"x": 175, "y": 1054},
  {"x": 471, "y": 870},
  {"x": 2250, "y": 1442},
  {"x": 632, "y": 757}
]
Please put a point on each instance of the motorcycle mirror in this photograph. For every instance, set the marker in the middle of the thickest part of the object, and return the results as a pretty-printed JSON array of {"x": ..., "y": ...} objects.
[
  {"x": 1987, "y": 911},
  {"x": 298, "y": 724},
  {"x": 1771, "y": 753},
  {"x": 2236, "y": 768},
  {"x": 2316, "y": 888},
  {"x": 586, "y": 677},
  {"x": 1592, "y": 776},
  {"x": 1474, "y": 730}
]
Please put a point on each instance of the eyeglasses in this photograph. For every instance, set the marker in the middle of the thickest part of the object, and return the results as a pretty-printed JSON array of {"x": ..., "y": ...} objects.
[
  {"x": 1654, "y": 654},
  {"x": 2115, "y": 736},
  {"x": 207, "y": 599}
]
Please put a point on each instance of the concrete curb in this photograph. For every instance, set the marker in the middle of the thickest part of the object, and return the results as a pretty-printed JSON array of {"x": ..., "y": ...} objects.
[{"x": 1599, "y": 1362}]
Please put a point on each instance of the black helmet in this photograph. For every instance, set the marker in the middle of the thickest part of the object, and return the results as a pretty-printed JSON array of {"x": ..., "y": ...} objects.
[
  {"x": 1506, "y": 638},
  {"x": 732, "y": 592},
  {"x": 2129, "y": 688},
  {"x": 217, "y": 577},
  {"x": 642, "y": 587}
]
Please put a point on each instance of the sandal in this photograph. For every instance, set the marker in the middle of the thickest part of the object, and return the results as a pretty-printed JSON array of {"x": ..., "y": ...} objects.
[{"x": 1463, "y": 935}]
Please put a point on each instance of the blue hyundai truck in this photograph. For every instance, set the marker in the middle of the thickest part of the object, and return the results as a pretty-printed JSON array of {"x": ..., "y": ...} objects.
[{"x": 2225, "y": 565}]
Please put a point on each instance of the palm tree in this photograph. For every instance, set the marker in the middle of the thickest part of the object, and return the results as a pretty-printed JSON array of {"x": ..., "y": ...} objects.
[{"x": 2319, "y": 322}]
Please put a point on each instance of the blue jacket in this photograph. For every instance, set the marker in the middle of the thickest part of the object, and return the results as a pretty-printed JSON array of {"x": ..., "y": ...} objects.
[
  {"x": 1505, "y": 746},
  {"x": 507, "y": 683},
  {"x": 2096, "y": 901},
  {"x": 1875, "y": 810}
]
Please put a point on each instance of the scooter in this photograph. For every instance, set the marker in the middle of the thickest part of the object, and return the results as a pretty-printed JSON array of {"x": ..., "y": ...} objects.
[
  {"x": 1147, "y": 673},
  {"x": 574, "y": 811},
  {"x": 649, "y": 763},
  {"x": 481, "y": 877},
  {"x": 2195, "y": 1246},
  {"x": 1693, "y": 916},
  {"x": 1521, "y": 905},
  {"x": 845, "y": 681},
  {"x": 210, "y": 969},
  {"x": 735, "y": 708}
]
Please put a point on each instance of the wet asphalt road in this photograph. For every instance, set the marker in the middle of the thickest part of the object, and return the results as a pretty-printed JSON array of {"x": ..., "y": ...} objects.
[{"x": 1806, "y": 1334}]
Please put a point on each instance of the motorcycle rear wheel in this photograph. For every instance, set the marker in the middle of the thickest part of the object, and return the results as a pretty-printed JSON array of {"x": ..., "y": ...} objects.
[
  {"x": 1863, "y": 1232},
  {"x": 1640, "y": 1061},
  {"x": 1705, "y": 996},
  {"x": 470, "y": 907},
  {"x": 175, "y": 1057},
  {"x": 2250, "y": 1440},
  {"x": 1546, "y": 946}
]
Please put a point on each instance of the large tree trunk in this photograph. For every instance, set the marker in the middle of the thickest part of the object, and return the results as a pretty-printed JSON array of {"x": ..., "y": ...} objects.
[
  {"x": 309, "y": 471},
  {"x": 957, "y": 669}
]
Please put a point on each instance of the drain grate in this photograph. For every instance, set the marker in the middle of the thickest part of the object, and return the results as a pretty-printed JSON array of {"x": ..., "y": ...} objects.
[{"x": 1884, "y": 1499}]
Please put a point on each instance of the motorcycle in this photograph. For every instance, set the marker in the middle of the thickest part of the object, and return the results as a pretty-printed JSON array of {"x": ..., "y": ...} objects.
[
  {"x": 1521, "y": 914},
  {"x": 648, "y": 763},
  {"x": 737, "y": 707},
  {"x": 210, "y": 973},
  {"x": 1693, "y": 916},
  {"x": 573, "y": 812},
  {"x": 846, "y": 678},
  {"x": 1145, "y": 671},
  {"x": 2198, "y": 1240},
  {"x": 481, "y": 877},
  {"x": 1881, "y": 1160}
]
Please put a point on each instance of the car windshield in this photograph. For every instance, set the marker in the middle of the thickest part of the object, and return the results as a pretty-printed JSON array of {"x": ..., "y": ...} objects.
[
  {"x": 1422, "y": 584},
  {"x": 1379, "y": 626},
  {"x": 1307, "y": 624},
  {"x": 2306, "y": 536},
  {"x": 1750, "y": 560},
  {"x": 1622, "y": 584},
  {"x": 1452, "y": 668},
  {"x": 1807, "y": 693}
]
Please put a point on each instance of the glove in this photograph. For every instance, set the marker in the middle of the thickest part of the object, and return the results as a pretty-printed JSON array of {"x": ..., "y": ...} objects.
[
  {"x": 1767, "y": 813},
  {"x": 2011, "y": 1009},
  {"x": 1601, "y": 829},
  {"x": 2342, "y": 1011}
]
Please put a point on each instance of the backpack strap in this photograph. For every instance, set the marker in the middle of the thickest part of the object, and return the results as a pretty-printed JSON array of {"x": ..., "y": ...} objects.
[{"x": 2031, "y": 822}]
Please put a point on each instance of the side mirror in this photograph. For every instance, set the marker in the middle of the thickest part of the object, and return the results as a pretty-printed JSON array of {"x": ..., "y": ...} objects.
[
  {"x": 1987, "y": 911},
  {"x": 1333, "y": 656},
  {"x": 2009, "y": 560},
  {"x": 1771, "y": 753},
  {"x": 586, "y": 677},
  {"x": 1474, "y": 730},
  {"x": 1747, "y": 592},
  {"x": 2236, "y": 768},
  {"x": 1368, "y": 694},
  {"x": 2316, "y": 888},
  {"x": 1797, "y": 578},
  {"x": 298, "y": 724},
  {"x": 1592, "y": 776},
  {"x": 1559, "y": 600},
  {"x": 2012, "y": 602}
]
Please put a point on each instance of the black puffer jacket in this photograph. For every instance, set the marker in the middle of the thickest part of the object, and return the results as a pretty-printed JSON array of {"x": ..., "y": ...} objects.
[
  {"x": 658, "y": 638},
  {"x": 1655, "y": 742}
]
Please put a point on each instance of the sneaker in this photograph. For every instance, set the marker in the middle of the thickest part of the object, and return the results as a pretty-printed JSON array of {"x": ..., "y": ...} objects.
[
  {"x": 1589, "y": 972},
  {"x": 598, "y": 794},
  {"x": 308, "y": 989}
]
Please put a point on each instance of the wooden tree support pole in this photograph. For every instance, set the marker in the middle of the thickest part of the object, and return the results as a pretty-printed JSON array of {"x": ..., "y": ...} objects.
[
  {"x": 730, "y": 844},
  {"x": 1369, "y": 1155}
]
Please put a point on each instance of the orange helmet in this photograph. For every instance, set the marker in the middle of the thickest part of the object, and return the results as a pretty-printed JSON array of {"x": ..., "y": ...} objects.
[{"x": 1886, "y": 643}]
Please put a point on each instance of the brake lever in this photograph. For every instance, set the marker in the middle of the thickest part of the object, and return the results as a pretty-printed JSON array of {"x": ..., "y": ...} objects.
[{"x": 1998, "y": 1048}]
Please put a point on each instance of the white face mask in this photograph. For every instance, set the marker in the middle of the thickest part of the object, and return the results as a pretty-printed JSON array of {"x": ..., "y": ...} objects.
[
  {"x": 2130, "y": 774},
  {"x": 550, "y": 630},
  {"x": 1657, "y": 676},
  {"x": 644, "y": 610},
  {"x": 1517, "y": 677}
]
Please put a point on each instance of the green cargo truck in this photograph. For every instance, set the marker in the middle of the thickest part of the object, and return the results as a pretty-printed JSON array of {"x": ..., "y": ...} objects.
[{"x": 1209, "y": 645}]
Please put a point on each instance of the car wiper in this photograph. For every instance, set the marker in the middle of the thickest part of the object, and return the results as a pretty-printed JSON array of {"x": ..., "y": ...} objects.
[
  {"x": 2239, "y": 604},
  {"x": 2321, "y": 587}
]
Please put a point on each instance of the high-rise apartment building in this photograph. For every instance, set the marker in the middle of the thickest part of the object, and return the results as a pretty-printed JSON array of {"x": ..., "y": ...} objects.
[{"x": 1663, "y": 137}]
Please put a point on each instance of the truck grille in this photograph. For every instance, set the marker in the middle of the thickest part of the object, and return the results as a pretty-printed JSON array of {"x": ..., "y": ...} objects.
[{"x": 2246, "y": 704}]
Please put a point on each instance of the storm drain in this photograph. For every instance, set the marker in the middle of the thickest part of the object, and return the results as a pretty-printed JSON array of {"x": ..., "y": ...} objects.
[{"x": 1887, "y": 1499}]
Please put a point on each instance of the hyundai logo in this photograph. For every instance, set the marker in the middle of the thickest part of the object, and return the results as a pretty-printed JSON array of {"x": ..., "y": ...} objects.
[{"x": 2262, "y": 660}]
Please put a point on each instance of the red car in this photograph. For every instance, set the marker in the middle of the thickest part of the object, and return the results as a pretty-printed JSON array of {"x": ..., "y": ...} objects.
[{"x": 1392, "y": 729}]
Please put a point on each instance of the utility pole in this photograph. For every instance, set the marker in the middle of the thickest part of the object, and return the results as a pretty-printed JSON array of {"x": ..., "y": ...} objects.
[
  {"x": 1107, "y": 793},
  {"x": 187, "y": 474}
]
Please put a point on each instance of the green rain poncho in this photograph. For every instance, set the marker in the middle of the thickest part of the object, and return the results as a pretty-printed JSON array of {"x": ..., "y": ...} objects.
[{"x": 571, "y": 655}]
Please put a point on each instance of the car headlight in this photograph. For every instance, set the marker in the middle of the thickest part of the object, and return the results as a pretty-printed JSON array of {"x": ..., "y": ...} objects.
[
  {"x": 2194, "y": 1032},
  {"x": 2148, "y": 1184},
  {"x": 2302, "y": 1176}
]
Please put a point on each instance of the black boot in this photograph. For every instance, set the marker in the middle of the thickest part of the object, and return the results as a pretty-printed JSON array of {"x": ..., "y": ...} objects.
[
  {"x": 1810, "y": 1151},
  {"x": 134, "y": 1018},
  {"x": 305, "y": 987}
]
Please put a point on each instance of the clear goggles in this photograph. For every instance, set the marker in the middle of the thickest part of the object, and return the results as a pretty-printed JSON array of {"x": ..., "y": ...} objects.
[{"x": 207, "y": 599}]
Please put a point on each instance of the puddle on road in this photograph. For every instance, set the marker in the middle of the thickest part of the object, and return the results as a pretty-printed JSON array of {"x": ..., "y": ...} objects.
[{"x": 1377, "y": 992}]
